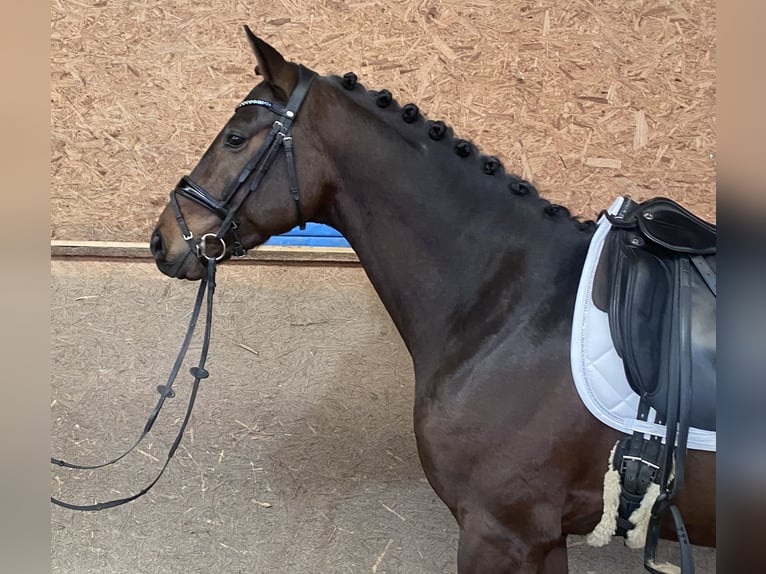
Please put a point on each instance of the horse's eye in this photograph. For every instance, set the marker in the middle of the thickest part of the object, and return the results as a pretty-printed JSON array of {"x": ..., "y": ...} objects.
[{"x": 235, "y": 140}]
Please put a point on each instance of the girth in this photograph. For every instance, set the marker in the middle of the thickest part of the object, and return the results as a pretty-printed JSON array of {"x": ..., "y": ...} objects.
[{"x": 656, "y": 279}]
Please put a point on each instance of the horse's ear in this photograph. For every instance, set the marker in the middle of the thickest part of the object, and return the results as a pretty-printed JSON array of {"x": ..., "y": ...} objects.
[{"x": 280, "y": 74}]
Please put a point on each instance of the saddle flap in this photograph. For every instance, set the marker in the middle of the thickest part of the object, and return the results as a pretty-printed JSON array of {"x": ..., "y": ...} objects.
[
  {"x": 640, "y": 298},
  {"x": 636, "y": 284},
  {"x": 669, "y": 225}
]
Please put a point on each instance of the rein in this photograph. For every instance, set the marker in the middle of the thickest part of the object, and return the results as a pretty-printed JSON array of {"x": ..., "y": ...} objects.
[
  {"x": 166, "y": 392},
  {"x": 226, "y": 210}
]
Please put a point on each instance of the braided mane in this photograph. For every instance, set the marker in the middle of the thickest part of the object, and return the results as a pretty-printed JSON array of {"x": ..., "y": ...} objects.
[{"x": 464, "y": 149}]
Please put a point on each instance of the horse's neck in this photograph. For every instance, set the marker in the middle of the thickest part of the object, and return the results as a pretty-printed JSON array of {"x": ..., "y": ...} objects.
[{"x": 454, "y": 256}]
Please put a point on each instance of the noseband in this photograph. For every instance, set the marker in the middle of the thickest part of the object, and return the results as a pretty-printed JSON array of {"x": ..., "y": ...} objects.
[{"x": 249, "y": 178}]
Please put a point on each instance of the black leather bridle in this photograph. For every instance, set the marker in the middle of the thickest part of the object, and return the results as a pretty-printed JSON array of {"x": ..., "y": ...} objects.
[
  {"x": 250, "y": 177},
  {"x": 226, "y": 209}
]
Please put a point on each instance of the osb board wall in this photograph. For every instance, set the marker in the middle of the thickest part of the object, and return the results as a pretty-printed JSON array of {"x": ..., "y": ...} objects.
[{"x": 587, "y": 99}]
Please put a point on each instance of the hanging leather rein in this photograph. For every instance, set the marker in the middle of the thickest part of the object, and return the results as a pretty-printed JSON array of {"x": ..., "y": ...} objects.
[
  {"x": 166, "y": 392},
  {"x": 251, "y": 176}
]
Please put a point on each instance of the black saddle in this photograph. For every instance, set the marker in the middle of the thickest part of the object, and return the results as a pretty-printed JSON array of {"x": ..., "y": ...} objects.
[
  {"x": 656, "y": 250},
  {"x": 656, "y": 279}
]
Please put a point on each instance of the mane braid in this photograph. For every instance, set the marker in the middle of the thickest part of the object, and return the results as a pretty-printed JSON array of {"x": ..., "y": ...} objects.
[{"x": 464, "y": 149}]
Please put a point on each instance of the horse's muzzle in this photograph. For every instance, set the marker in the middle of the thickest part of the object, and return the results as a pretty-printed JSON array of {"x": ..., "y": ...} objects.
[{"x": 184, "y": 265}]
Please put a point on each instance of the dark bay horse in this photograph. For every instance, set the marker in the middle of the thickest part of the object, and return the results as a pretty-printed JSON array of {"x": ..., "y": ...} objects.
[{"x": 478, "y": 273}]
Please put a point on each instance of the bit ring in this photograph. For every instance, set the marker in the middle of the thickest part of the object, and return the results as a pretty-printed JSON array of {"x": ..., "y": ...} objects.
[{"x": 203, "y": 242}]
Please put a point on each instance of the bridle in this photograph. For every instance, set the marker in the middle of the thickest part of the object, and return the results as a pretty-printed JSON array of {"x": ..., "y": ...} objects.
[
  {"x": 250, "y": 177},
  {"x": 226, "y": 210}
]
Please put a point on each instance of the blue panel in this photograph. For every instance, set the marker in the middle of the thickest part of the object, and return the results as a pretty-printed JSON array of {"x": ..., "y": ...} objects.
[
  {"x": 315, "y": 235},
  {"x": 313, "y": 230}
]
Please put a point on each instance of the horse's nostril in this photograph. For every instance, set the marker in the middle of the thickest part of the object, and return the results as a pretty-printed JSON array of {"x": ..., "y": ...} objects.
[{"x": 155, "y": 244}]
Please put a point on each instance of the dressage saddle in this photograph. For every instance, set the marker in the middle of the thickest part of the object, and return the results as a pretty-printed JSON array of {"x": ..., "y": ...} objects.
[{"x": 656, "y": 280}]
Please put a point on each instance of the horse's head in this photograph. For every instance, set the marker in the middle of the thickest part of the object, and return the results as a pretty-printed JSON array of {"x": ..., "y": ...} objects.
[{"x": 248, "y": 185}]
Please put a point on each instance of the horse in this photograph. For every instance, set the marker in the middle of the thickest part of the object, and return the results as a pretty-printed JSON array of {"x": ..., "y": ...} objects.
[{"x": 479, "y": 274}]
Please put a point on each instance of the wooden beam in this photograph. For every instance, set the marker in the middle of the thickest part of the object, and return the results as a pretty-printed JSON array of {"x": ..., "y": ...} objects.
[{"x": 264, "y": 254}]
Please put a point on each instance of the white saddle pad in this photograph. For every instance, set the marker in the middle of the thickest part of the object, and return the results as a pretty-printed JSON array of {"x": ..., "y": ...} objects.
[{"x": 597, "y": 368}]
